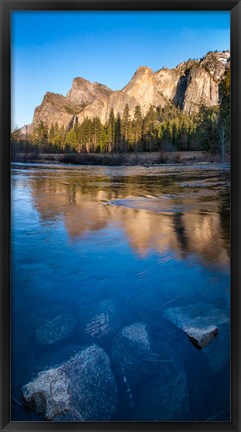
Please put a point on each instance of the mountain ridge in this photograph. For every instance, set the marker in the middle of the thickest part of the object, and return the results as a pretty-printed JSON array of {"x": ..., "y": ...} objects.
[{"x": 189, "y": 85}]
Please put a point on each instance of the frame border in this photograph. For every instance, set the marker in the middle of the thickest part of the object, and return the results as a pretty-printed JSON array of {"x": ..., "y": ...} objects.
[{"x": 6, "y": 6}]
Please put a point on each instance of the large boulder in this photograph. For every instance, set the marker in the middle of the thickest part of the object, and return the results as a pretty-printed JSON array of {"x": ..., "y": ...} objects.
[
  {"x": 39, "y": 360},
  {"x": 199, "y": 321},
  {"x": 56, "y": 330},
  {"x": 83, "y": 388},
  {"x": 131, "y": 352},
  {"x": 100, "y": 321}
]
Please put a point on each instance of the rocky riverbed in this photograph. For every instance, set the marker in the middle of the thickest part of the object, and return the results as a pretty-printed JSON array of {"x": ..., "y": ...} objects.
[{"x": 84, "y": 386}]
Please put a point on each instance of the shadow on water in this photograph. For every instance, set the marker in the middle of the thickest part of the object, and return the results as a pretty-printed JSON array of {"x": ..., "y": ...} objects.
[{"x": 143, "y": 239}]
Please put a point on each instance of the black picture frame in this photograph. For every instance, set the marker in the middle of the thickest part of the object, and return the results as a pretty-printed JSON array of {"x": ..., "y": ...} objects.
[{"x": 6, "y": 6}]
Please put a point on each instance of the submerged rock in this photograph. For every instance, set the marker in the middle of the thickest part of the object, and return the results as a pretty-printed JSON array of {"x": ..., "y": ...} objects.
[
  {"x": 200, "y": 337},
  {"x": 164, "y": 398},
  {"x": 52, "y": 359},
  {"x": 131, "y": 351},
  {"x": 83, "y": 388},
  {"x": 101, "y": 320},
  {"x": 164, "y": 395},
  {"x": 57, "y": 329},
  {"x": 199, "y": 321},
  {"x": 218, "y": 353}
]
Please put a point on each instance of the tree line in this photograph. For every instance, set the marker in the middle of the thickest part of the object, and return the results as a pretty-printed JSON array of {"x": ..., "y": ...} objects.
[{"x": 160, "y": 129}]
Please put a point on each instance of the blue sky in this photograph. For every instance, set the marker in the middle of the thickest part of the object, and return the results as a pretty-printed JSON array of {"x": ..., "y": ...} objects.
[{"x": 49, "y": 49}]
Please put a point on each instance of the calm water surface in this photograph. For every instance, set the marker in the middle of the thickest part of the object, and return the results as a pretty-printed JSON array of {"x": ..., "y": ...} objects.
[{"x": 146, "y": 238}]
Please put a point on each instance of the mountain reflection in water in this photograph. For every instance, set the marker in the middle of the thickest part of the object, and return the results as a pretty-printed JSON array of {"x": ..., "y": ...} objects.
[
  {"x": 193, "y": 218},
  {"x": 142, "y": 237}
]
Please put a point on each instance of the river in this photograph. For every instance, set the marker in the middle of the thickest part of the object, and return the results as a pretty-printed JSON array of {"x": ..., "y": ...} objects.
[{"x": 145, "y": 239}]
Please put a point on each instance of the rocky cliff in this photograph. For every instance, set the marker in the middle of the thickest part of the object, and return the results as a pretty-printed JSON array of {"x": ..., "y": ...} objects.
[{"x": 189, "y": 85}]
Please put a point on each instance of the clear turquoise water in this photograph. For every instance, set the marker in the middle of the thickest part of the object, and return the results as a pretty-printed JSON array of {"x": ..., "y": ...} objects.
[{"x": 143, "y": 237}]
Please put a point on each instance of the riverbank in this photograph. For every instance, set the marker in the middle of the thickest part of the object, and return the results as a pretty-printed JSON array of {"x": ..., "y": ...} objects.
[{"x": 116, "y": 159}]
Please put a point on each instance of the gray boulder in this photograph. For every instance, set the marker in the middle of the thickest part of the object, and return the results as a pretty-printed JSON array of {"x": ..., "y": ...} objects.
[
  {"x": 57, "y": 329},
  {"x": 199, "y": 321},
  {"x": 200, "y": 337},
  {"x": 82, "y": 389},
  {"x": 131, "y": 352}
]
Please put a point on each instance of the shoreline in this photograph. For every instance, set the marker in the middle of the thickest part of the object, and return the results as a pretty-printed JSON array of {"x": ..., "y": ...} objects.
[{"x": 119, "y": 159}]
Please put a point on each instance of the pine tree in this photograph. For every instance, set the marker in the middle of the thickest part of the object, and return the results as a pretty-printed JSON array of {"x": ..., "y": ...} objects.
[
  {"x": 207, "y": 129},
  {"x": 71, "y": 139},
  {"x": 118, "y": 141},
  {"x": 62, "y": 133},
  {"x": 149, "y": 130},
  {"x": 111, "y": 131},
  {"x": 51, "y": 134},
  {"x": 224, "y": 123},
  {"x": 40, "y": 136},
  {"x": 95, "y": 133},
  {"x": 126, "y": 128},
  {"x": 137, "y": 127}
]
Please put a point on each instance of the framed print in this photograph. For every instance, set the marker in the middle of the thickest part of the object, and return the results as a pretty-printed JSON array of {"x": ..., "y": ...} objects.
[{"x": 120, "y": 215}]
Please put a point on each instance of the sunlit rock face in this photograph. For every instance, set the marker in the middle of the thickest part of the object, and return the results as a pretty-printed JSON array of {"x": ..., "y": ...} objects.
[
  {"x": 201, "y": 89},
  {"x": 171, "y": 84},
  {"x": 188, "y": 85},
  {"x": 84, "y": 92},
  {"x": 52, "y": 110},
  {"x": 144, "y": 88},
  {"x": 216, "y": 63}
]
